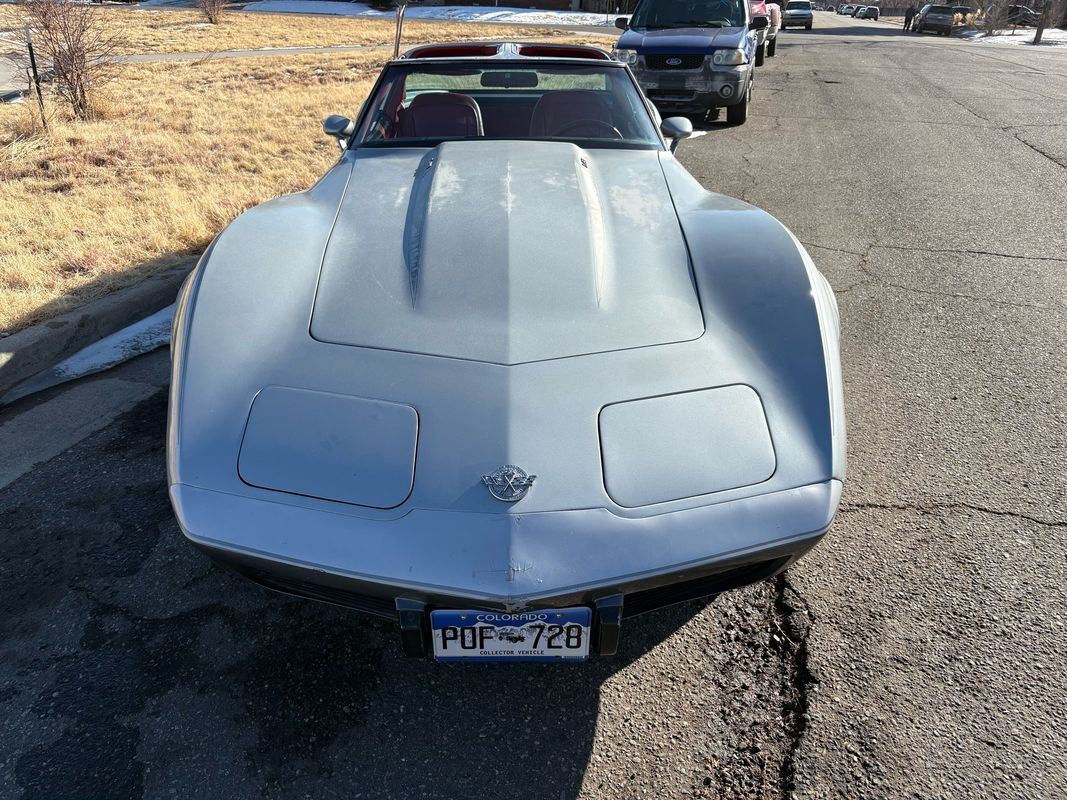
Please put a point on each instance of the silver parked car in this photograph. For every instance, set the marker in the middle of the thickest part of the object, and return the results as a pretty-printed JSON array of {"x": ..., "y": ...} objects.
[
  {"x": 798, "y": 14},
  {"x": 507, "y": 373}
]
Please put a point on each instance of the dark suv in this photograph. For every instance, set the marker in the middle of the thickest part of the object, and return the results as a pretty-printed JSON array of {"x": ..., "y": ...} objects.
[
  {"x": 692, "y": 56},
  {"x": 934, "y": 18}
]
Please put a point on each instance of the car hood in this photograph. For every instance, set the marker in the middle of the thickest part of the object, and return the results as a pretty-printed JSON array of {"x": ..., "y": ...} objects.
[
  {"x": 681, "y": 40},
  {"x": 506, "y": 252}
]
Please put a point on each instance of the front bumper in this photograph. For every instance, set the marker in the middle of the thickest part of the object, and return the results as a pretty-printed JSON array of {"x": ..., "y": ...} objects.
[
  {"x": 508, "y": 562},
  {"x": 694, "y": 91}
]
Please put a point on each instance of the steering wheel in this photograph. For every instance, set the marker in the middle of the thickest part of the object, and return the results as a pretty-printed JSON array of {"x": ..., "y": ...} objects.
[{"x": 610, "y": 131}]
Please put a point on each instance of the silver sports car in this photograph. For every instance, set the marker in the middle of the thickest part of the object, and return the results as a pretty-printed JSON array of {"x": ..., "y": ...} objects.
[{"x": 507, "y": 374}]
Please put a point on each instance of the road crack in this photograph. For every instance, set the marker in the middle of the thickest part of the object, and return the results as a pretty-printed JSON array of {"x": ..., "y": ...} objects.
[
  {"x": 935, "y": 507},
  {"x": 870, "y": 278},
  {"x": 794, "y": 619},
  {"x": 1036, "y": 149}
]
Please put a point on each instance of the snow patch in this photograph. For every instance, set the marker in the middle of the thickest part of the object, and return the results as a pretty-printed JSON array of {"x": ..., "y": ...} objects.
[
  {"x": 1052, "y": 37},
  {"x": 142, "y": 337},
  {"x": 530, "y": 16}
]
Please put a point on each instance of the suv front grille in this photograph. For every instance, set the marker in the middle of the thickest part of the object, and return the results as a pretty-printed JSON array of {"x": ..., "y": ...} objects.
[{"x": 665, "y": 61}]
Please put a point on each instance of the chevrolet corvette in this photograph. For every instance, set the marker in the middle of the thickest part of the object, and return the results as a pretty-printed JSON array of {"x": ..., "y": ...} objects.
[{"x": 507, "y": 374}]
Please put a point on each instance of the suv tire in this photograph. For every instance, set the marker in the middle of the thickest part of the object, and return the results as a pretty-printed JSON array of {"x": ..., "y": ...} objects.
[{"x": 738, "y": 113}]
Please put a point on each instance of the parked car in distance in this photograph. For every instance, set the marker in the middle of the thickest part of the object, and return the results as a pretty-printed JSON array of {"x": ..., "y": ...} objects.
[
  {"x": 846, "y": 9},
  {"x": 934, "y": 18},
  {"x": 758, "y": 8},
  {"x": 855, "y": 10},
  {"x": 774, "y": 24},
  {"x": 359, "y": 387},
  {"x": 868, "y": 12},
  {"x": 1021, "y": 15},
  {"x": 798, "y": 14},
  {"x": 691, "y": 64}
]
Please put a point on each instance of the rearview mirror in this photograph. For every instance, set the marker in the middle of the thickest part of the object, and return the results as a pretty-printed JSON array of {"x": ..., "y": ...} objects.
[
  {"x": 758, "y": 23},
  {"x": 676, "y": 129},
  {"x": 622, "y": 23},
  {"x": 523, "y": 79},
  {"x": 338, "y": 127}
]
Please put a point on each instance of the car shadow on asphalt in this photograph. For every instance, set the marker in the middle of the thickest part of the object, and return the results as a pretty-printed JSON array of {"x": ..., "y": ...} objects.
[{"x": 138, "y": 668}]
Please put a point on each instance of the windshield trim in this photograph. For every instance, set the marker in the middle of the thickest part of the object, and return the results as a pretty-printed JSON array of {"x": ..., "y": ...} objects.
[
  {"x": 585, "y": 144},
  {"x": 365, "y": 110}
]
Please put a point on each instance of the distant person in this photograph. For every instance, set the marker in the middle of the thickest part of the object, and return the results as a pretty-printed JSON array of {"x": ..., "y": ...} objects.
[{"x": 909, "y": 15}]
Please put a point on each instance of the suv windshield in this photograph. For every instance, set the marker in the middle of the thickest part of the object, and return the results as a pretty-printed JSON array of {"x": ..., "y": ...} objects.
[
  {"x": 801, "y": 5},
  {"x": 689, "y": 14},
  {"x": 940, "y": 10},
  {"x": 595, "y": 105}
]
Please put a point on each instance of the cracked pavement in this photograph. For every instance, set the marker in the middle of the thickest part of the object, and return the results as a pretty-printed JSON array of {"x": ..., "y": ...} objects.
[{"x": 917, "y": 652}]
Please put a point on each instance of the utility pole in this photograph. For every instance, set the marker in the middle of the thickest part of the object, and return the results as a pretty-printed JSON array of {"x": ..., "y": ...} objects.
[
  {"x": 36, "y": 78},
  {"x": 1041, "y": 22},
  {"x": 401, "y": 9}
]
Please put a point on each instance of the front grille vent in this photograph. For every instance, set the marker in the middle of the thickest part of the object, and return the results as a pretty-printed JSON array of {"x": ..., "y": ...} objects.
[{"x": 680, "y": 61}]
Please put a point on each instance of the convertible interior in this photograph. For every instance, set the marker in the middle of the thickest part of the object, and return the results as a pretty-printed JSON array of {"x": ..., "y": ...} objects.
[
  {"x": 511, "y": 104},
  {"x": 576, "y": 112}
]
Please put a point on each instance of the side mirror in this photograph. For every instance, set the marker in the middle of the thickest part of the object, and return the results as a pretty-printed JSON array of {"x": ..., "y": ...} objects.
[
  {"x": 676, "y": 129},
  {"x": 758, "y": 23},
  {"x": 339, "y": 128},
  {"x": 622, "y": 23}
]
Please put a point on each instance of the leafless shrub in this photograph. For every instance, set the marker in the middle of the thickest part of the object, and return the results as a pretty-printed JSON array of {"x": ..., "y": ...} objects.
[
  {"x": 73, "y": 40},
  {"x": 212, "y": 10},
  {"x": 994, "y": 16}
]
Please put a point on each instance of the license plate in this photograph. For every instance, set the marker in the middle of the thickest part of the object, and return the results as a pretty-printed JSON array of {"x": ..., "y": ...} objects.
[{"x": 558, "y": 634}]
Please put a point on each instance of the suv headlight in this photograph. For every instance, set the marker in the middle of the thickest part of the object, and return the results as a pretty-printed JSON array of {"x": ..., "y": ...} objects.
[
  {"x": 625, "y": 56},
  {"x": 728, "y": 57}
]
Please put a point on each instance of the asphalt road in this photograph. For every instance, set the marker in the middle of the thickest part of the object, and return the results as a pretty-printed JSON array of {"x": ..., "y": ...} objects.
[{"x": 918, "y": 652}]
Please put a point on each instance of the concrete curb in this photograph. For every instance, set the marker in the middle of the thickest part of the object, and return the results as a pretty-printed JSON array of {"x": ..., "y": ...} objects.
[{"x": 34, "y": 349}]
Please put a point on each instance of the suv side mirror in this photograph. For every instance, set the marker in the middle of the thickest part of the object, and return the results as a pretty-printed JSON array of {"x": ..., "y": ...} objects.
[
  {"x": 622, "y": 23},
  {"x": 339, "y": 128},
  {"x": 758, "y": 23},
  {"x": 676, "y": 129}
]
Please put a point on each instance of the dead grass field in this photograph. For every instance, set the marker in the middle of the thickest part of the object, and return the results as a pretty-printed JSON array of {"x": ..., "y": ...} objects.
[
  {"x": 144, "y": 30},
  {"x": 182, "y": 149}
]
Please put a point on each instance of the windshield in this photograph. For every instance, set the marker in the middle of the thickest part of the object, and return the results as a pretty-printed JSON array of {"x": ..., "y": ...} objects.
[
  {"x": 689, "y": 14},
  {"x": 591, "y": 105},
  {"x": 940, "y": 10},
  {"x": 802, "y": 5}
]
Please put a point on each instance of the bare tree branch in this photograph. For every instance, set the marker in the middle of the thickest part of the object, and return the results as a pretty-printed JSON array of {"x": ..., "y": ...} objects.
[
  {"x": 75, "y": 40},
  {"x": 212, "y": 9}
]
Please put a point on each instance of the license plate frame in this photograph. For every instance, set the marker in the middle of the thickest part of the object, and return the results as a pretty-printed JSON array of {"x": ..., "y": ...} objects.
[{"x": 486, "y": 636}]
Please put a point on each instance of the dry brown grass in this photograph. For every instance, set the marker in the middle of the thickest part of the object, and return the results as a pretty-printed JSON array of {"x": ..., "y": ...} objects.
[
  {"x": 176, "y": 31},
  {"x": 180, "y": 150}
]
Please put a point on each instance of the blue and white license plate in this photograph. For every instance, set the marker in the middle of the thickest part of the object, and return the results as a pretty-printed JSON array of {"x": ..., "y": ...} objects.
[{"x": 551, "y": 635}]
